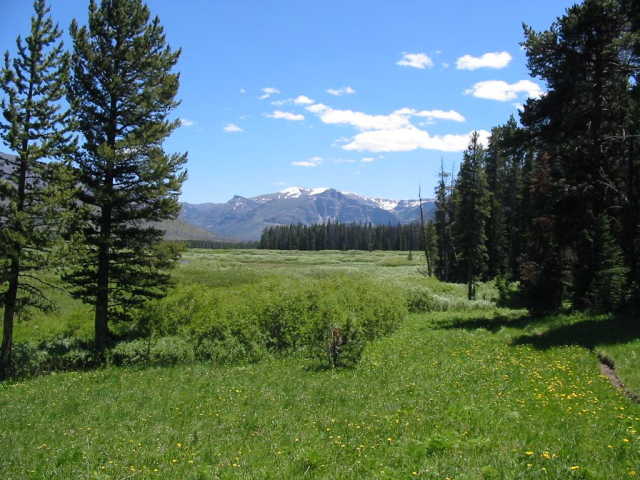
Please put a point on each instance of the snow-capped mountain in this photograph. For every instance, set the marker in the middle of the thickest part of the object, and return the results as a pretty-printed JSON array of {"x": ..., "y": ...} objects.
[{"x": 244, "y": 218}]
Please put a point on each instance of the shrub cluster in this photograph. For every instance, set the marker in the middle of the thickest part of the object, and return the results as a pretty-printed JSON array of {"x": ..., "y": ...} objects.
[
  {"x": 327, "y": 318},
  {"x": 245, "y": 323},
  {"x": 422, "y": 299},
  {"x": 60, "y": 353}
]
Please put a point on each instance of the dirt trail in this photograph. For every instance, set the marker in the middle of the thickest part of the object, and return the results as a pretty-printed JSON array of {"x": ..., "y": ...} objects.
[{"x": 607, "y": 368}]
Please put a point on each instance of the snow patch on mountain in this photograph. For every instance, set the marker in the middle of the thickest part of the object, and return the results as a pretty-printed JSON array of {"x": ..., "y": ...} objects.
[{"x": 296, "y": 192}]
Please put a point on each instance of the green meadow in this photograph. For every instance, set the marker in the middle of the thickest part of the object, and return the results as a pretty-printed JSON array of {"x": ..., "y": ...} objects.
[{"x": 439, "y": 387}]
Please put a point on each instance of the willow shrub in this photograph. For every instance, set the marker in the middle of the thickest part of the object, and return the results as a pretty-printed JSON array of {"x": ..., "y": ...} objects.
[{"x": 278, "y": 315}]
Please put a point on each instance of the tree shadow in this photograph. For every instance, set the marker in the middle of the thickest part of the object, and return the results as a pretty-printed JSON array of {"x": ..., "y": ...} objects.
[
  {"x": 588, "y": 333},
  {"x": 491, "y": 324}
]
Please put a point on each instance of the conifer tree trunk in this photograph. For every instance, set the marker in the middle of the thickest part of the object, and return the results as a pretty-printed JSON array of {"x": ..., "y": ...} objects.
[
  {"x": 102, "y": 291},
  {"x": 7, "y": 324}
]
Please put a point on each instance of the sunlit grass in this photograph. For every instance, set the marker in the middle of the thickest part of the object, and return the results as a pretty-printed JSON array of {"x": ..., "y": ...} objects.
[{"x": 461, "y": 394}]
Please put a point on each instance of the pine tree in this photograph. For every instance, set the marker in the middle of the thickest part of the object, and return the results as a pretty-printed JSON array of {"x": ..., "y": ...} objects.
[
  {"x": 472, "y": 213},
  {"x": 587, "y": 60},
  {"x": 607, "y": 292},
  {"x": 542, "y": 268},
  {"x": 442, "y": 225},
  {"x": 122, "y": 91},
  {"x": 431, "y": 243},
  {"x": 32, "y": 196}
]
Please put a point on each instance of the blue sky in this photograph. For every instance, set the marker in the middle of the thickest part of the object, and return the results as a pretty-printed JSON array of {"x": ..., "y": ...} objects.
[{"x": 362, "y": 96}]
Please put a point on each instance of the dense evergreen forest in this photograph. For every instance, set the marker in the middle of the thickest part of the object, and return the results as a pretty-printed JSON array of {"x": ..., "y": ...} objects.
[
  {"x": 344, "y": 236},
  {"x": 551, "y": 202}
]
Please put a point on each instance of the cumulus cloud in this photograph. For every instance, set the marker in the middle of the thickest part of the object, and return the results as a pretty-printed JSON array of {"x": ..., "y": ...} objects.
[
  {"x": 185, "y": 122},
  {"x": 432, "y": 114},
  {"x": 393, "y": 132},
  {"x": 410, "y": 138},
  {"x": 415, "y": 60},
  {"x": 309, "y": 162},
  {"x": 243, "y": 90},
  {"x": 341, "y": 91},
  {"x": 503, "y": 91},
  {"x": 368, "y": 159},
  {"x": 317, "y": 108},
  {"x": 364, "y": 121},
  {"x": 302, "y": 100},
  {"x": 267, "y": 92},
  {"x": 488, "y": 60},
  {"x": 232, "y": 128},
  {"x": 286, "y": 115}
]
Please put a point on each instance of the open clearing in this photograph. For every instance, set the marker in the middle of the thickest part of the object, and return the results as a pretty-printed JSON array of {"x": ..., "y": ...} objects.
[{"x": 468, "y": 393}]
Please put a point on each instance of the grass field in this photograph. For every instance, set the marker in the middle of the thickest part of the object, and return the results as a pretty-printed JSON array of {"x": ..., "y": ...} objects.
[{"x": 474, "y": 392}]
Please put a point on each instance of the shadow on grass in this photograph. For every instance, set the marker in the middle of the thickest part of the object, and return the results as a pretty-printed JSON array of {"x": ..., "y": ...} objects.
[
  {"x": 491, "y": 324},
  {"x": 588, "y": 333}
]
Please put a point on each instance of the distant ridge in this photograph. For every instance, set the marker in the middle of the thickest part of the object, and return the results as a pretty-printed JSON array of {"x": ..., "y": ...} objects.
[{"x": 243, "y": 218}]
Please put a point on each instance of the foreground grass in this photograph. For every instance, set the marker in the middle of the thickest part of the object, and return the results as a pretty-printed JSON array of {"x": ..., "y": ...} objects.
[{"x": 448, "y": 396}]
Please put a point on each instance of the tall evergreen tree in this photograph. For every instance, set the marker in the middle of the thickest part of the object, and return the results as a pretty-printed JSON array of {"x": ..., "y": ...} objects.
[
  {"x": 122, "y": 91},
  {"x": 35, "y": 127},
  {"x": 497, "y": 241},
  {"x": 608, "y": 289},
  {"x": 587, "y": 60},
  {"x": 542, "y": 268},
  {"x": 442, "y": 225},
  {"x": 472, "y": 213}
]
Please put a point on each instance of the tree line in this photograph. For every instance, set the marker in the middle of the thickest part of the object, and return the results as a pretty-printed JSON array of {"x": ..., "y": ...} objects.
[
  {"x": 552, "y": 202},
  {"x": 89, "y": 172},
  {"x": 344, "y": 236}
]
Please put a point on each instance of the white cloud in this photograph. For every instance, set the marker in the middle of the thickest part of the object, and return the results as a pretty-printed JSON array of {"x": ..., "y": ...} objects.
[
  {"x": 185, "y": 122},
  {"x": 363, "y": 121},
  {"x": 232, "y": 128},
  {"x": 243, "y": 91},
  {"x": 393, "y": 132},
  {"x": 415, "y": 60},
  {"x": 341, "y": 91},
  {"x": 302, "y": 100},
  {"x": 410, "y": 138},
  {"x": 310, "y": 162},
  {"x": 488, "y": 60},
  {"x": 279, "y": 103},
  {"x": 432, "y": 114},
  {"x": 317, "y": 108},
  {"x": 286, "y": 115},
  {"x": 394, "y": 120},
  {"x": 368, "y": 160},
  {"x": 503, "y": 91},
  {"x": 267, "y": 92},
  {"x": 519, "y": 106}
]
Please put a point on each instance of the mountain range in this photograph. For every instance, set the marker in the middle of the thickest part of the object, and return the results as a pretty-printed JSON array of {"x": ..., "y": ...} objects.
[{"x": 243, "y": 218}]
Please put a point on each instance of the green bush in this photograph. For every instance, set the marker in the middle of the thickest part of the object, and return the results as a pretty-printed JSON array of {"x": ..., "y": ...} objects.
[
  {"x": 157, "y": 352},
  {"x": 244, "y": 323},
  {"x": 420, "y": 300},
  {"x": 238, "y": 324},
  {"x": 58, "y": 354}
]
